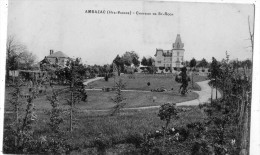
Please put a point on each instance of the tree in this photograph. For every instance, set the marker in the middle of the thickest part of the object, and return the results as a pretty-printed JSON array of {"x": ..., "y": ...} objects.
[
  {"x": 136, "y": 61},
  {"x": 203, "y": 63},
  {"x": 150, "y": 61},
  {"x": 13, "y": 49},
  {"x": 26, "y": 60},
  {"x": 184, "y": 81},
  {"x": 119, "y": 64},
  {"x": 215, "y": 73},
  {"x": 144, "y": 61},
  {"x": 74, "y": 72},
  {"x": 192, "y": 65},
  {"x": 118, "y": 99},
  {"x": 130, "y": 58}
]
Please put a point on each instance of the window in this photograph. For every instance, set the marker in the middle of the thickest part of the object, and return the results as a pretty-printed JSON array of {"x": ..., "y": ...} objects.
[
  {"x": 159, "y": 62},
  {"x": 178, "y": 53}
]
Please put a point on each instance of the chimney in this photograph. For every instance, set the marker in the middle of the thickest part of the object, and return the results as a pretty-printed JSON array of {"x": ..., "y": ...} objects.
[{"x": 51, "y": 52}]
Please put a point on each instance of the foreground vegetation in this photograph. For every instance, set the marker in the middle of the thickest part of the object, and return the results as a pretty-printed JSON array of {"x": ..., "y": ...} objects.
[{"x": 121, "y": 133}]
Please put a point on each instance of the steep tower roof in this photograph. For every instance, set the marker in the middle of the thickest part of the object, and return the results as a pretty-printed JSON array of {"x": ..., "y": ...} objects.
[{"x": 178, "y": 43}]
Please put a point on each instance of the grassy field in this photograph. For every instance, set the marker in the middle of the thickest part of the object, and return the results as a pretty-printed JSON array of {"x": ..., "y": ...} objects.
[{"x": 114, "y": 130}]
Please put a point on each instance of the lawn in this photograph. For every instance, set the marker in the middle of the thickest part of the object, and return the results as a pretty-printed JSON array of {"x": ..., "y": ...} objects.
[
  {"x": 102, "y": 100},
  {"x": 139, "y": 82}
]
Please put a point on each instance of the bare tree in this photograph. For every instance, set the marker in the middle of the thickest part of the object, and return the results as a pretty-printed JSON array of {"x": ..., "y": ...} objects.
[{"x": 13, "y": 49}]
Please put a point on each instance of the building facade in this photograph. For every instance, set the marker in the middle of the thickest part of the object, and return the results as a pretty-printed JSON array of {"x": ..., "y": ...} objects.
[{"x": 170, "y": 59}]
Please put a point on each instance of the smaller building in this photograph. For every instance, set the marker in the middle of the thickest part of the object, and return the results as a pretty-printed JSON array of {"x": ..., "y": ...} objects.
[{"x": 57, "y": 58}]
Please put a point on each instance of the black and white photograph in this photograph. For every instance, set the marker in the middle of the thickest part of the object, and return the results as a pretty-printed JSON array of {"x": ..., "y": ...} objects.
[{"x": 133, "y": 77}]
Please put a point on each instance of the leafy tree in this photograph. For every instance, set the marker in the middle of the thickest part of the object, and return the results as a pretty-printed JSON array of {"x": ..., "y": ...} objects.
[
  {"x": 119, "y": 64},
  {"x": 135, "y": 60},
  {"x": 144, "y": 62},
  {"x": 150, "y": 61},
  {"x": 215, "y": 73},
  {"x": 127, "y": 58},
  {"x": 184, "y": 81},
  {"x": 203, "y": 63},
  {"x": 192, "y": 65}
]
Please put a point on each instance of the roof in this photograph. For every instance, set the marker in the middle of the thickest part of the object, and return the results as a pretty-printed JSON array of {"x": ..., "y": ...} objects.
[
  {"x": 58, "y": 54},
  {"x": 178, "y": 43}
]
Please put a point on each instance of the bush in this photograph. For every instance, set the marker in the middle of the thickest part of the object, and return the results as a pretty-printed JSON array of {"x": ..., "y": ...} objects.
[
  {"x": 203, "y": 70},
  {"x": 148, "y": 83},
  {"x": 136, "y": 139},
  {"x": 161, "y": 68}
]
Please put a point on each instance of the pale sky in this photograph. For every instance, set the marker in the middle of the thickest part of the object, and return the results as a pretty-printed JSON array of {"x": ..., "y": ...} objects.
[{"x": 207, "y": 29}]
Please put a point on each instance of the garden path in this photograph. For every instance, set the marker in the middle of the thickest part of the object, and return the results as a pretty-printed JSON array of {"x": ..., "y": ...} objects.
[{"x": 204, "y": 96}]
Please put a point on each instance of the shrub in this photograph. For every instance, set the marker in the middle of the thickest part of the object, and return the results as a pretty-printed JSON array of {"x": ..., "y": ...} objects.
[
  {"x": 148, "y": 83},
  {"x": 161, "y": 68},
  {"x": 135, "y": 138}
]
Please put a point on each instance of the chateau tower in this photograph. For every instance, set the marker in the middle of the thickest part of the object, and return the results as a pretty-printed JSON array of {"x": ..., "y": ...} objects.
[{"x": 178, "y": 52}]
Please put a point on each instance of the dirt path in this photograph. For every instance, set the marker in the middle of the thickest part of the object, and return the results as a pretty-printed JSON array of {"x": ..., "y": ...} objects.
[
  {"x": 91, "y": 80},
  {"x": 204, "y": 96}
]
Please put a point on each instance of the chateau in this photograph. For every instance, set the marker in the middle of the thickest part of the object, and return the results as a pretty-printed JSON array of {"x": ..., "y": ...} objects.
[{"x": 170, "y": 59}]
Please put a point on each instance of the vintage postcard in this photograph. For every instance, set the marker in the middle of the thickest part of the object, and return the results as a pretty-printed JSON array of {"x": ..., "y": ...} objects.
[{"x": 129, "y": 77}]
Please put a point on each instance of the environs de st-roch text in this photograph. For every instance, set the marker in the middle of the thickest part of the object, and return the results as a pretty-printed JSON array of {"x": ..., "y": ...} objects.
[{"x": 127, "y": 12}]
